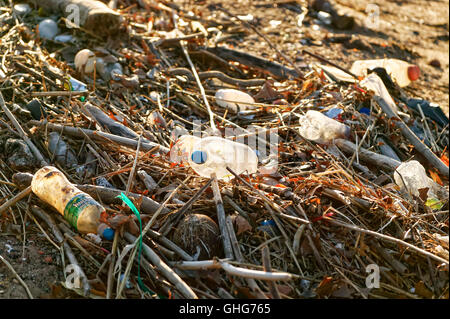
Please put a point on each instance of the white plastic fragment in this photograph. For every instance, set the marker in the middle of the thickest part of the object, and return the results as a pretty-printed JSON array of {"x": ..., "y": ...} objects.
[
  {"x": 48, "y": 29},
  {"x": 85, "y": 61},
  {"x": 234, "y": 100},
  {"x": 21, "y": 9}
]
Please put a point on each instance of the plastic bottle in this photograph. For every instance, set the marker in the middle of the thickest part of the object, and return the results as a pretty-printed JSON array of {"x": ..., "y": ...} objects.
[
  {"x": 374, "y": 83},
  {"x": 213, "y": 154},
  {"x": 411, "y": 177},
  {"x": 400, "y": 71},
  {"x": 230, "y": 98},
  {"x": 319, "y": 128},
  {"x": 77, "y": 207},
  {"x": 62, "y": 152}
]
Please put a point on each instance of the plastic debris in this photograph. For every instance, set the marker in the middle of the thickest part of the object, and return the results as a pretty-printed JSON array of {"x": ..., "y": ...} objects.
[
  {"x": 234, "y": 100},
  {"x": 317, "y": 127}
]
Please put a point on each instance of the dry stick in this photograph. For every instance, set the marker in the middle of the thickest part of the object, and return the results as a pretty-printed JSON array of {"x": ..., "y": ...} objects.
[
  {"x": 17, "y": 276},
  {"x": 169, "y": 244},
  {"x": 199, "y": 84},
  {"x": 322, "y": 59},
  {"x": 356, "y": 153},
  {"x": 397, "y": 265},
  {"x": 60, "y": 238},
  {"x": 267, "y": 267},
  {"x": 22, "y": 133},
  {"x": 112, "y": 262},
  {"x": 221, "y": 218},
  {"x": 99, "y": 136},
  {"x": 15, "y": 199},
  {"x": 382, "y": 161},
  {"x": 133, "y": 170},
  {"x": 388, "y": 238},
  {"x": 164, "y": 230},
  {"x": 237, "y": 252},
  {"x": 265, "y": 39},
  {"x": 164, "y": 268},
  {"x": 418, "y": 144},
  {"x": 233, "y": 270}
]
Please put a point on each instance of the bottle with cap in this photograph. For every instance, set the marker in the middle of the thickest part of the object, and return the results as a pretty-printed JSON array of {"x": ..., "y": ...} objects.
[
  {"x": 214, "y": 154},
  {"x": 319, "y": 128},
  {"x": 401, "y": 72},
  {"x": 78, "y": 208}
]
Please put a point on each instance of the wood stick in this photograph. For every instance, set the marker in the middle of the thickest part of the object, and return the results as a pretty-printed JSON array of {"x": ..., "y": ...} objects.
[
  {"x": 15, "y": 199},
  {"x": 233, "y": 270},
  {"x": 418, "y": 144},
  {"x": 164, "y": 268},
  {"x": 267, "y": 267},
  {"x": 99, "y": 136},
  {"x": 388, "y": 238},
  {"x": 274, "y": 68},
  {"x": 240, "y": 258},
  {"x": 222, "y": 219},
  {"x": 22, "y": 133},
  {"x": 379, "y": 160}
]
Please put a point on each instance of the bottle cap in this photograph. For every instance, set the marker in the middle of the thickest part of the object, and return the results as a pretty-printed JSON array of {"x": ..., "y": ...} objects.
[
  {"x": 413, "y": 72},
  {"x": 199, "y": 157},
  {"x": 108, "y": 234}
]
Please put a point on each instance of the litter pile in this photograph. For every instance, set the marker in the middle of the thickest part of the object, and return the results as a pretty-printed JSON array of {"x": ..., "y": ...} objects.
[{"x": 163, "y": 163}]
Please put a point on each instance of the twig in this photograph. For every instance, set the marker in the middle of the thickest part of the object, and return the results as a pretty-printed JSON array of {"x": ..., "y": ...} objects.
[
  {"x": 17, "y": 276},
  {"x": 267, "y": 267},
  {"x": 222, "y": 219},
  {"x": 418, "y": 144},
  {"x": 388, "y": 238},
  {"x": 15, "y": 199},
  {"x": 22, "y": 133},
  {"x": 165, "y": 270}
]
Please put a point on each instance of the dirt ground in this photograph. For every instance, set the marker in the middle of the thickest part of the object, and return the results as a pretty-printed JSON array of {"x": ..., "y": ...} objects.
[{"x": 416, "y": 31}]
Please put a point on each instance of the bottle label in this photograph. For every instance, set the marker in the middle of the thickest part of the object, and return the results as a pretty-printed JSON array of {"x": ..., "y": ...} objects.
[{"x": 75, "y": 206}]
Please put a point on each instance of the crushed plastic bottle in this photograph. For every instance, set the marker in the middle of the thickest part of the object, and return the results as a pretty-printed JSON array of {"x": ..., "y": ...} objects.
[
  {"x": 213, "y": 154},
  {"x": 411, "y": 177},
  {"x": 319, "y": 128},
  {"x": 401, "y": 71},
  {"x": 62, "y": 152},
  {"x": 374, "y": 83},
  {"x": 230, "y": 98},
  {"x": 78, "y": 208}
]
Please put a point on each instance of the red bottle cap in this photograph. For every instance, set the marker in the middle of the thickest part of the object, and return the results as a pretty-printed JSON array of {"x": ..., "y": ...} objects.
[{"x": 413, "y": 72}]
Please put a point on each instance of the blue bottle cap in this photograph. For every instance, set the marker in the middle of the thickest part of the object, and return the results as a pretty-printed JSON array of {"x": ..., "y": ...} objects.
[
  {"x": 108, "y": 234},
  {"x": 199, "y": 157}
]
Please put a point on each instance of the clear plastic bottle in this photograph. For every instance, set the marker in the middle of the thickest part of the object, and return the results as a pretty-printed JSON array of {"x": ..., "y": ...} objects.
[
  {"x": 374, "y": 83},
  {"x": 77, "y": 207},
  {"x": 213, "y": 154},
  {"x": 411, "y": 177},
  {"x": 400, "y": 71},
  {"x": 319, "y": 128}
]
